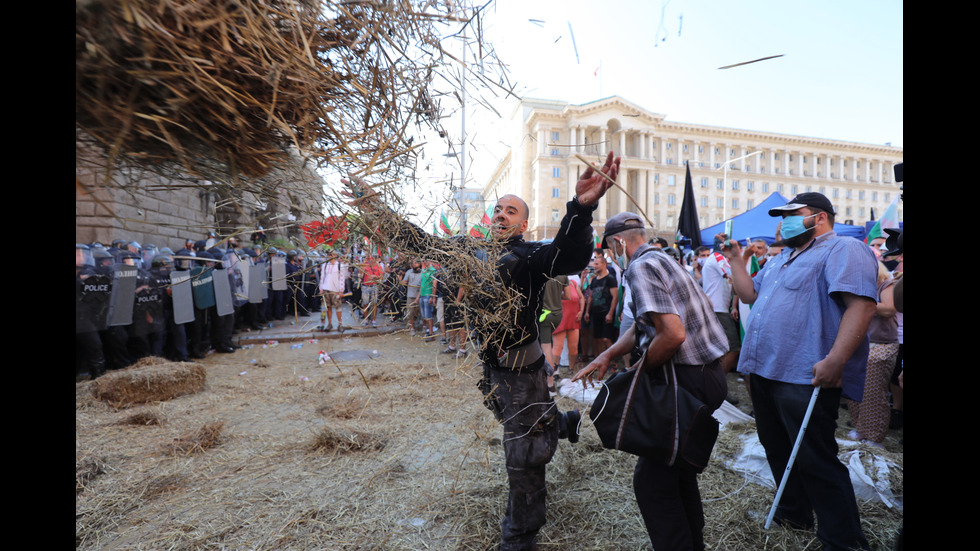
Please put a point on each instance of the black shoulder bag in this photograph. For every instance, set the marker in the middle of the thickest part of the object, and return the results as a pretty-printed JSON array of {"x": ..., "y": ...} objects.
[{"x": 659, "y": 420}]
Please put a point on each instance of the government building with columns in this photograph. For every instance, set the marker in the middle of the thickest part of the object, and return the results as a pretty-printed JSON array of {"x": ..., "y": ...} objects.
[{"x": 732, "y": 170}]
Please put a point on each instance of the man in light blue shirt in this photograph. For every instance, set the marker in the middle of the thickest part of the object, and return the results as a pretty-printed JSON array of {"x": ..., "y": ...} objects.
[{"x": 811, "y": 308}]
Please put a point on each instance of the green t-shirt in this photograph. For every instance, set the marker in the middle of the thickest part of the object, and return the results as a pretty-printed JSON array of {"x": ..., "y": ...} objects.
[{"x": 426, "y": 287}]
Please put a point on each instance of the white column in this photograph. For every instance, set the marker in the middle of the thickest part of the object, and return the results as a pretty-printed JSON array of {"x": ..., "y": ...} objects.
[{"x": 641, "y": 189}]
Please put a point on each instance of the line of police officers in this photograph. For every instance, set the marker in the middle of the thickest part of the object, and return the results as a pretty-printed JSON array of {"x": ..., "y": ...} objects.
[{"x": 134, "y": 301}]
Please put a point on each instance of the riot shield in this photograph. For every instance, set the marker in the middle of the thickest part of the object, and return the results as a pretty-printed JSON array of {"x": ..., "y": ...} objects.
[
  {"x": 278, "y": 273},
  {"x": 92, "y": 292},
  {"x": 123, "y": 296},
  {"x": 148, "y": 311},
  {"x": 236, "y": 279},
  {"x": 222, "y": 292},
  {"x": 202, "y": 285},
  {"x": 183, "y": 295},
  {"x": 257, "y": 290}
]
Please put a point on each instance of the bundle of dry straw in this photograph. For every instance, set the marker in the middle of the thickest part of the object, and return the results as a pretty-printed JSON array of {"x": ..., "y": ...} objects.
[{"x": 226, "y": 90}]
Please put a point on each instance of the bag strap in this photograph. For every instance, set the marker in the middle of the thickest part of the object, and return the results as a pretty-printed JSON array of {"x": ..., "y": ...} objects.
[{"x": 672, "y": 380}]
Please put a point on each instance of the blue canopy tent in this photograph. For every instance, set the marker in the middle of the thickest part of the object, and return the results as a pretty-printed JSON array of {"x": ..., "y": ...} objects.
[{"x": 756, "y": 223}]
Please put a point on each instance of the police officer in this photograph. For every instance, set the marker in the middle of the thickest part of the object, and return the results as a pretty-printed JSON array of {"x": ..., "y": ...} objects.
[
  {"x": 90, "y": 298},
  {"x": 174, "y": 346}
]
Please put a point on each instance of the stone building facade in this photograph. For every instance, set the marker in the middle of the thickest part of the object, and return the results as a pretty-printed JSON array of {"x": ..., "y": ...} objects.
[{"x": 151, "y": 209}]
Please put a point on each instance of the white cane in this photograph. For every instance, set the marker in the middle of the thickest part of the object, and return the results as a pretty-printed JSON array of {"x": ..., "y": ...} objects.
[{"x": 792, "y": 455}]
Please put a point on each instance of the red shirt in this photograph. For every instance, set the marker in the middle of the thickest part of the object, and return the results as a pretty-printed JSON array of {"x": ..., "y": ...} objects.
[{"x": 372, "y": 275}]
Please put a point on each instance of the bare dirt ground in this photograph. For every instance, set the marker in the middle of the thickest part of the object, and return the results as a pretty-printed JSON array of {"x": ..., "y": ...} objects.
[{"x": 385, "y": 446}]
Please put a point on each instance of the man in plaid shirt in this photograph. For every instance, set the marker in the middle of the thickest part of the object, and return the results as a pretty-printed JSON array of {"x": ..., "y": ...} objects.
[{"x": 673, "y": 322}]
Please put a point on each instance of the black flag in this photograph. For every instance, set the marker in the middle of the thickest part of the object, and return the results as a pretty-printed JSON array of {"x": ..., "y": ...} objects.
[{"x": 688, "y": 229}]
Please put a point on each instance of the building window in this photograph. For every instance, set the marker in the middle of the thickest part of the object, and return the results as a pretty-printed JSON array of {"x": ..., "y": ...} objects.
[
  {"x": 555, "y": 152},
  {"x": 671, "y": 180},
  {"x": 836, "y": 193},
  {"x": 555, "y": 136},
  {"x": 749, "y": 203},
  {"x": 721, "y": 184},
  {"x": 765, "y": 187},
  {"x": 704, "y": 182},
  {"x": 704, "y": 201},
  {"x": 734, "y": 185},
  {"x": 556, "y": 192},
  {"x": 720, "y": 203},
  {"x": 556, "y": 172},
  {"x": 735, "y": 203},
  {"x": 671, "y": 199},
  {"x": 555, "y": 215},
  {"x": 750, "y": 185}
]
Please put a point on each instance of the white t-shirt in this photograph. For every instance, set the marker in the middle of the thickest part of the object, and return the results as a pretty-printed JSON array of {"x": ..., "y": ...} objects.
[{"x": 716, "y": 282}]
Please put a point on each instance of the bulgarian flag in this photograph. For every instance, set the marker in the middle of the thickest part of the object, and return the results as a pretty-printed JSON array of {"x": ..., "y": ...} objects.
[
  {"x": 482, "y": 228},
  {"x": 744, "y": 309},
  {"x": 887, "y": 220},
  {"x": 444, "y": 224}
]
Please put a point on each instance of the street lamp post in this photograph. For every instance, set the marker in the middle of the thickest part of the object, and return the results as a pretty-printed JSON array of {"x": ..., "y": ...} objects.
[{"x": 724, "y": 206}]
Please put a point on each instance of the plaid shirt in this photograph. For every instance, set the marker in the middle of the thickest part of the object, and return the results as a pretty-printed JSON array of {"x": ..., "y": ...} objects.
[{"x": 659, "y": 284}]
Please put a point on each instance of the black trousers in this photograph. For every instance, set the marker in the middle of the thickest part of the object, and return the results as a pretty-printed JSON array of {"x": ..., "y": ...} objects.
[{"x": 668, "y": 496}]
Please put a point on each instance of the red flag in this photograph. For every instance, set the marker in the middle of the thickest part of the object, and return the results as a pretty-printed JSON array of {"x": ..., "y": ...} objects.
[{"x": 326, "y": 232}]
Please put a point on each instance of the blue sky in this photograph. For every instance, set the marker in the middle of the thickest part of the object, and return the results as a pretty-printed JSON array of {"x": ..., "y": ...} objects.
[{"x": 840, "y": 75}]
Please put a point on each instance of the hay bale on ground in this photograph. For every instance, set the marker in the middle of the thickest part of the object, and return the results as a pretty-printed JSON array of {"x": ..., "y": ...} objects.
[
  {"x": 345, "y": 441},
  {"x": 205, "y": 437},
  {"x": 149, "y": 382}
]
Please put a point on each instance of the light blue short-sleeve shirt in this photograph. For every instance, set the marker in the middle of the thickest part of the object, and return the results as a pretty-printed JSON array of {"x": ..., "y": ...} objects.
[{"x": 797, "y": 313}]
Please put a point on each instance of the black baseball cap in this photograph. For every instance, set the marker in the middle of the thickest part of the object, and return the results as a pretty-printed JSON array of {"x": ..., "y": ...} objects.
[
  {"x": 810, "y": 199},
  {"x": 620, "y": 223}
]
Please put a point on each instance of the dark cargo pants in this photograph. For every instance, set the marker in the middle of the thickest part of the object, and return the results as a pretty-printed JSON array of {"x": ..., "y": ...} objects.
[{"x": 519, "y": 399}]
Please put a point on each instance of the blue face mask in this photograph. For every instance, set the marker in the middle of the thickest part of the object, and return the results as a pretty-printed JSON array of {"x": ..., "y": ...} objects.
[
  {"x": 621, "y": 260},
  {"x": 793, "y": 226}
]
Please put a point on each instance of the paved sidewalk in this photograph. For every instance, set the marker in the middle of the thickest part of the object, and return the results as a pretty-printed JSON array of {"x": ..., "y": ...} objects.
[{"x": 296, "y": 328}]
